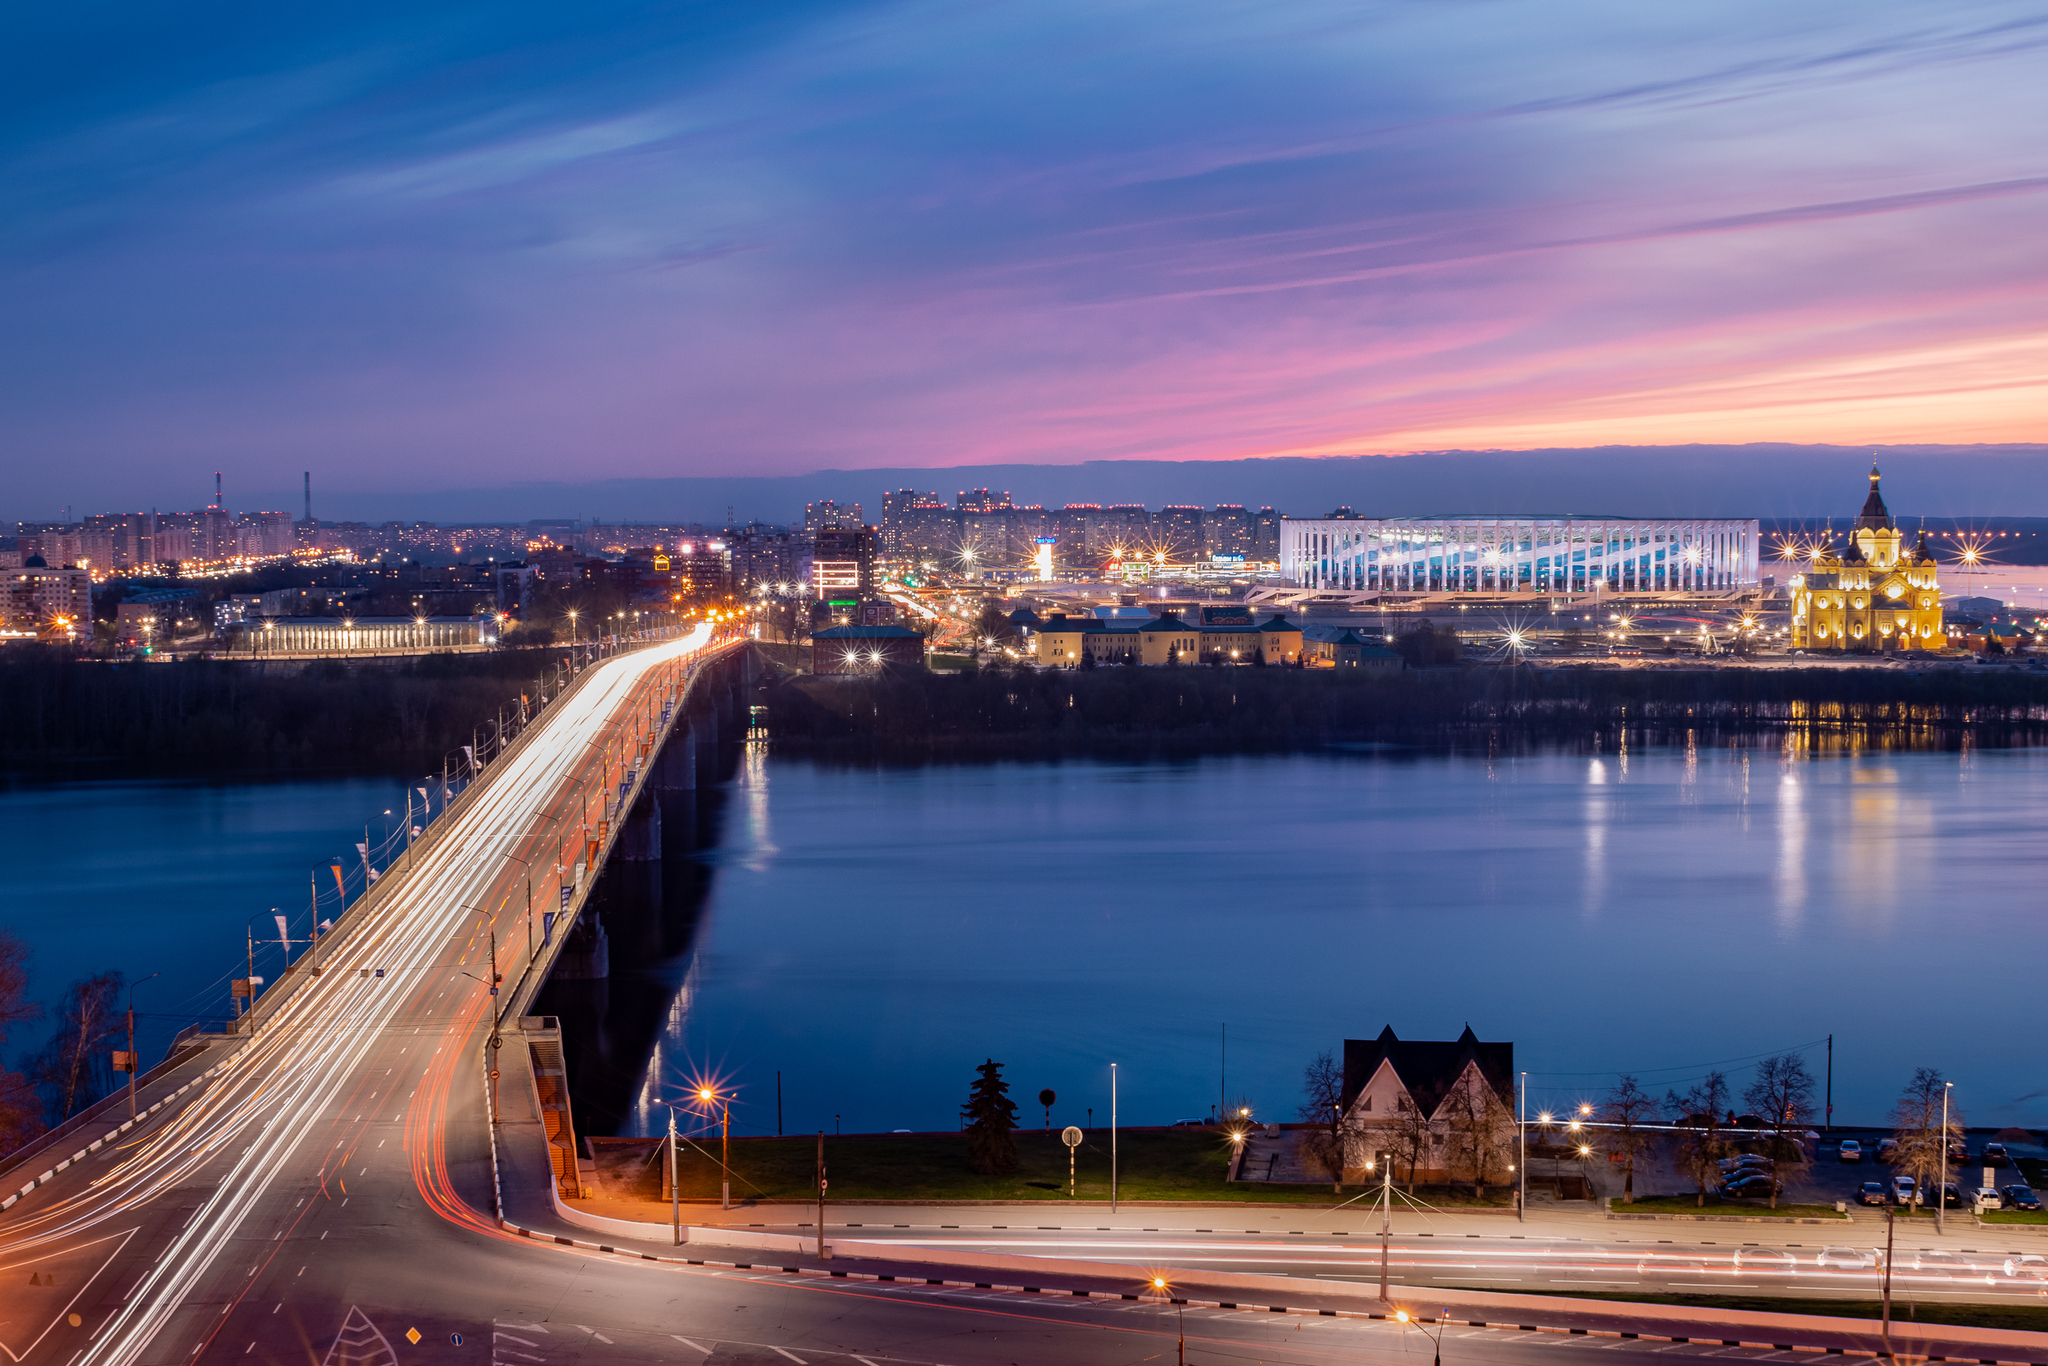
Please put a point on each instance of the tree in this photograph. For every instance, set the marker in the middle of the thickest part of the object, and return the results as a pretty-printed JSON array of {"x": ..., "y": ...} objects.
[
  {"x": 1426, "y": 645},
  {"x": 991, "y": 1117},
  {"x": 1627, "y": 1108},
  {"x": 994, "y": 624},
  {"x": 1480, "y": 1126},
  {"x": 1699, "y": 1110},
  {"x": 1916, "y": 1128},
  {"x": 1322, "y": 1089},
  {"x": 20, "y": 1112},
  {"x": 1409, "y": 1135},
  {"x": 73, "y": 1069},
  {"x": 1783, "y": 1094}
]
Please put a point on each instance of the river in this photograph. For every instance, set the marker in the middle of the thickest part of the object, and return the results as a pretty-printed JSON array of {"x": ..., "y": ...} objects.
[{"x": 864, "y": 937}]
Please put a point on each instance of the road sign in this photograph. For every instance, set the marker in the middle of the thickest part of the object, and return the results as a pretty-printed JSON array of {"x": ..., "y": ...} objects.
[
  {"x": 412, "y": 1335},
  {"x": 1071, "y": 1136},
  {"x": 455, "y": 1338},
  {"x": 123, "y": 1061}
]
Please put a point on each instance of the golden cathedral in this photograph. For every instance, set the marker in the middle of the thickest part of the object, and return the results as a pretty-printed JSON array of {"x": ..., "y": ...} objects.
[{"x": 1869, "y": 593}]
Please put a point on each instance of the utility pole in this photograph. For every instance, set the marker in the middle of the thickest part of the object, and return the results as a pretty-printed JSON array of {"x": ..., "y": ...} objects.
[
  {"x": 313, "y": 886},
  {"x": 821, "y": 1195},
  {"x": 1386, "y": 1215},
  {"x": 1112, "y": 1138},
  {"x": 1941, "y": 1182},
  {"x": 1885, "y": 1328},
  {"x": 1522, "y": 1162},
  {"x": 675, "y": 1192},
  {"x": 251, "y": 1007},
  {"x": 1828, "y": 1122}
]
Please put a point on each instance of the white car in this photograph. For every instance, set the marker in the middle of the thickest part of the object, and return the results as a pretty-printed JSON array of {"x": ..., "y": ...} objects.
[
  {"x": 1852, "y": 1151},
  {"x": 2027, "y": 1268},
  {"x": 1987, "y": 1197},
  {"x": 1845, "y": 1259}
]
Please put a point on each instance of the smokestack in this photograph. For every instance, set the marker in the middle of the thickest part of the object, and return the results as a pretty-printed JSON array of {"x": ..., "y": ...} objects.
[
  {"x": 216, "y": 488},
  {"x": 309, "y": 495}
]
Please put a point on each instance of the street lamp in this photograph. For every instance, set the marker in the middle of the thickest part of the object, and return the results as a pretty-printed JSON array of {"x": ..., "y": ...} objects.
[
  {"x": 1159, "y": 1284},
  {"x": 1403, "y": 1316},
  {"x": 711, "y": 1097},
  {"x": 1941, "y": 1182},
  {"x": 134, "y": 1064}
]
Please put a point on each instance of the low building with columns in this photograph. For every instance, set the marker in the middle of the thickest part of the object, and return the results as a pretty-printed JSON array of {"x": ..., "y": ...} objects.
[
  {"x": 1869, "y": 593},
  {"x": 1519, "y": 554}
]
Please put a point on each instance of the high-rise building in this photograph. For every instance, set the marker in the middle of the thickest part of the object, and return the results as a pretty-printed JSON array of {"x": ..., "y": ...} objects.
[
  {"x": 763, "y": 557},
  {"x": 826, "y": 515},
  {"x": 1227, "y": 530},
  {"x": 901, "y": 520},
  {"x": 1178, "y": 531},
  {"x": 981, "y": 500},
  {"x": 843, "y": 564},
  {"x": 1265, "y": 535},
  {"x": 700, "y": 569}
]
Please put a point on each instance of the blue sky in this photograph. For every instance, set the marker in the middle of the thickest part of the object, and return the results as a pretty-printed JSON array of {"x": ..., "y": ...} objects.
[{"x": 460, "y": 246}]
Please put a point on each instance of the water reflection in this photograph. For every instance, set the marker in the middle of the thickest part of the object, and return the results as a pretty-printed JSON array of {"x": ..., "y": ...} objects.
[{"x": 1646, "y": 911}]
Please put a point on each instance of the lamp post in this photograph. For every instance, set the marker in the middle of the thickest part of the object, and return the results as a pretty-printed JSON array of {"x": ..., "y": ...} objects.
[
  {"x": 1159, "y": 1284},
  {"x": 1112, "y": 1138},
  {"x": 1522, "y": 1162},
  {"x": 711, "y": 1097},
  {"x": 134, "y": 1064},
  {"x": 1941, "y": 1181},
  {"x": 1437, "y": 1338},
  {"x": 495, "y": 978}
]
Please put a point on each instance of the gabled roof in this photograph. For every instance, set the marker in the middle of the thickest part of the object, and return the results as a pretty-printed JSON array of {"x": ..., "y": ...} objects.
[
  {"x": 1428, "y": 1068},
  {"x": 1279, "y": 624},
  {"x": 1332, "y": 635}
]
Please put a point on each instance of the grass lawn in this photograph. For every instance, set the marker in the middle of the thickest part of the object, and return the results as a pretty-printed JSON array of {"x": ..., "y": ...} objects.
[
  {"x": 1688, "y": 1204},
  {"x": 2015, "y": 1216},
  {"x": 2025, "y": 1318},
  {"x": 1153, "y": 1164}
]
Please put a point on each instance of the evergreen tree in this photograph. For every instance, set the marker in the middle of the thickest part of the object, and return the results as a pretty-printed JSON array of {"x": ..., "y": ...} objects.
[{"x": 991, "y": 1115}]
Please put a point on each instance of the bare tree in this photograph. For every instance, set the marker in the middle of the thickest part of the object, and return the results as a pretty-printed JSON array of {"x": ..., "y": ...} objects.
[
  {"x": 1916, "y": 1128},
  {"x": 73, "y": 1069},
  {"x": 1480, "y": 1124},
  {"x": 1627, "y": 1108},
  {"x": 1701, "y": 1146},
  {"x": 1783, "y": 1094},
  {"x": 20, "y": 1112},
  {"x": 1409, "y": 1135},
  {"x": 1322, "y": 1090}
]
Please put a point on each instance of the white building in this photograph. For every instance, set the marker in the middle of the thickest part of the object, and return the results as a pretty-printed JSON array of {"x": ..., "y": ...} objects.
[{"x": 1519, "y": 554}]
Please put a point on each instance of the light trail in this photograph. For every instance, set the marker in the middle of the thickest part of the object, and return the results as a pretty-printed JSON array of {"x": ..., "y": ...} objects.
[{"x": 290, "y": 1078}]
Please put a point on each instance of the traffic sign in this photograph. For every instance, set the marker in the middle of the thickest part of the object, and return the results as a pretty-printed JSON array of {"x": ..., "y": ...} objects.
[
  {"x": 455, "y": 1338},
  {"x": 1071, "y": 1136}
]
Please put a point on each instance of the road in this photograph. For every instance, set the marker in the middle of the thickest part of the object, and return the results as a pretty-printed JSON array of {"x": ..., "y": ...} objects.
[{"x": 1578, "y": 1256}]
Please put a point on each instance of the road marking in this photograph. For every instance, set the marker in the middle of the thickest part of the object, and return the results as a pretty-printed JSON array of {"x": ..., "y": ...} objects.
[
  {"x": 791, "y": 1355},
  {"x": 694, "y": 1347}
]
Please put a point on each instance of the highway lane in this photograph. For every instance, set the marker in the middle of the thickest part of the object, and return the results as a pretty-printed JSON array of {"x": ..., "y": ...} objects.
[
  {"x": 1822, "y": 1262},
  {"x": 147, "y": 1228}
]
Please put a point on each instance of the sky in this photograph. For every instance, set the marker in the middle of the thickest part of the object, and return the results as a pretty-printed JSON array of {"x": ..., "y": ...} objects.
[{"x": 472, "y": 246}]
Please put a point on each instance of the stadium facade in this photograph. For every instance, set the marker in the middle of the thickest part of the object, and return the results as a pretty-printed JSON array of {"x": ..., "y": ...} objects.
[{"x": 1519, "y": 554}]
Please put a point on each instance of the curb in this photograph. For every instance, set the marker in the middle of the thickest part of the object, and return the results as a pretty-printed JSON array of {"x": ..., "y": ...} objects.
[
  {"x": 1730, "y": 1218},
  {"x": 826, "y": 1274},
  {"x": 108, "y": 1137}
]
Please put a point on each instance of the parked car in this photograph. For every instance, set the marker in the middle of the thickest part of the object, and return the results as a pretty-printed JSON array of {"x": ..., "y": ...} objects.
[
  {"x": 1871, "y": 1194},
  {"x": 1995, "y": 1155},
  {"x": 1986, "y": 1197},
  {"x": 1755, "y": 1186},
  {"x": 1851, "y": 1150},
  {"x": 1746, "y": 1162},
  {"x": 1887, "y": 1149},
  {"x": 1845, "y": 1258},
  {"x": 1902, "y": 1190},
  {"x": 2020, "y": 1197},
  {"x": 1951, "y": 1196}
]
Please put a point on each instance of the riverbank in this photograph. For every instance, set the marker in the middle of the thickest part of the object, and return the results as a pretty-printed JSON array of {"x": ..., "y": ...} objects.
[
  {"x": 1020, "y": 713},
  {"x": 64, "y": 712}
]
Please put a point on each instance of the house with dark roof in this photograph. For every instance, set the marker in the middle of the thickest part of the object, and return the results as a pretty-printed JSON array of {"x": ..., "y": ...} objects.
[
  {"x": 866, "y": 649},
  {"x": 1340, "y": 647},
  {"x": 1460, "y": 1091},
  {"x": 1069, "y": 642}
]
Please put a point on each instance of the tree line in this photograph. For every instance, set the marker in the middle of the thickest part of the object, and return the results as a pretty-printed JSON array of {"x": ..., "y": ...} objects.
[
  {"x": 1007, "y": 712},
  {"x": 60, "y": 707}
]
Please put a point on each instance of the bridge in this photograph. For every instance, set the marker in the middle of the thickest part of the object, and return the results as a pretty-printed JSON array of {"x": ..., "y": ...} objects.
[{"x": 367, "y": 1169}]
